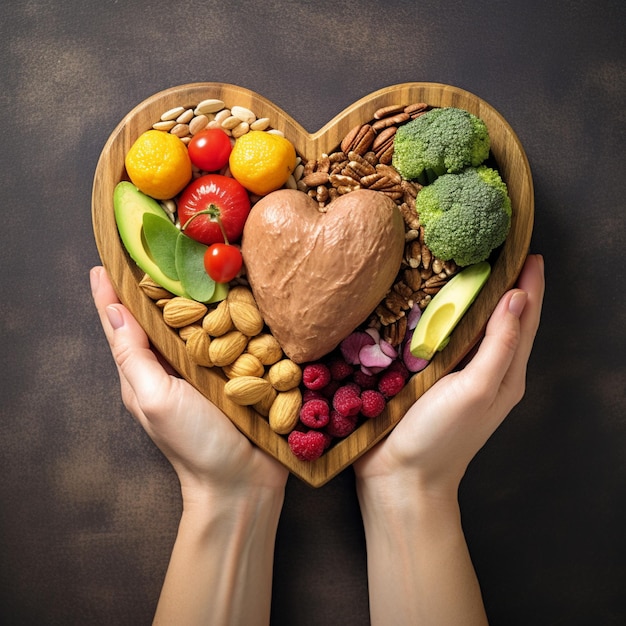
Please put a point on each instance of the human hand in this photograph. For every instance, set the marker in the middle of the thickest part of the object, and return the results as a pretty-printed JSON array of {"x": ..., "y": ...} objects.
[
  {"x": 434, "y": 443},
  {"x": 201, "y": 443}
]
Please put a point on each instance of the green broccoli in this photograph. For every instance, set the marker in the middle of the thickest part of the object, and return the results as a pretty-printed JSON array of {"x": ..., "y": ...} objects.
[
  {"x": 465, "y": 215},
  {"x": 444, "y": 140}
]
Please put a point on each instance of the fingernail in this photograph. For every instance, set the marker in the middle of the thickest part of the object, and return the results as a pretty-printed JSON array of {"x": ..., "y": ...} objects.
[
  {"x": 114, "y": 316},
  {"x": 518, "y": 302},
  {"x": 94, "y": 279}
]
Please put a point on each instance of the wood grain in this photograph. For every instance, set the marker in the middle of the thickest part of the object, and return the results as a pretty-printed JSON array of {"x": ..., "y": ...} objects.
[{"x": 125, "y": 275}]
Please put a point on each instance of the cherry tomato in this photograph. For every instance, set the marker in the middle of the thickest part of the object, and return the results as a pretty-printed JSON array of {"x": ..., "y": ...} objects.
[
  {"x": 209, "y": 149},
  {"x": 209, "y": 200},
  {"x": 222, "y": 262}
]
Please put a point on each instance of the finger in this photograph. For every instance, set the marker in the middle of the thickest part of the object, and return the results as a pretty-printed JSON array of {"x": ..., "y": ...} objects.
[
  {"x": 532, "y": 281},
  {"x": 128, "y": 343},
  {"x": 495, "y": 353}
]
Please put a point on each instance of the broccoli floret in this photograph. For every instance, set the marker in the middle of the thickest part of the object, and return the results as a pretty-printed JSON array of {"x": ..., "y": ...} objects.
[
  {"x": 465, "y": 215},
  {"x": 444, "y": 140}
]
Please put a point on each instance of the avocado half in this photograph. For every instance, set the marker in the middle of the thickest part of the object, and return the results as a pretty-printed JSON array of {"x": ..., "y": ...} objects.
[{"x": 446, "y": 309}]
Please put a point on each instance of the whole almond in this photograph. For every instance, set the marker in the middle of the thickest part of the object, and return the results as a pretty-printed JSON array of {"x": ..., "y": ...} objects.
[
  {"x": 285, "y": 411},
  {"x": 240, "y": 293},
  {"x": 247, "y": 390},
  {"x": 285, "y": 375},
  {"x": 225, "y": 349},
  {"x": 218, "y": 322},
  {"x": 266, "y": 348},
  {"x": 244, "y": 365},
  {"x": 186, "y": 331},
  {"x": 265, "y": 403},
  {"x": 153, "y": 290},
  {"x": 179, "y": 311},
  {"x": 197, "y": 346},
  {"x": 246, "y": 318}
]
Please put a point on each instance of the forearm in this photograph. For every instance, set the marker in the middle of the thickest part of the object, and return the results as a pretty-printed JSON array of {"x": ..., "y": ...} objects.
[
  {"x": 419, "y": 568},
  {"x": 220, "y": 571}
]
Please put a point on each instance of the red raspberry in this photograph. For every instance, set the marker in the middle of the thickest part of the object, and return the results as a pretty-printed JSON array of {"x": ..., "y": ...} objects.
[
  {"x": 315, "y": 413},
  {"x": 310, "y": 394},
  {"x": 329, "y": 390},
  {"x": 373, "y": 403},
  {"x": 347, "y": 399},
  {"x": 315, "y": 376},
  {"x": 365, "y": 381},
  {"x": 399, "y": 366},
  {"x": 341, "y": 425},
  {"x": 309, "y": 445},
  {"x": 390, "y": 383},
  {"x": 340, "y": 369}
]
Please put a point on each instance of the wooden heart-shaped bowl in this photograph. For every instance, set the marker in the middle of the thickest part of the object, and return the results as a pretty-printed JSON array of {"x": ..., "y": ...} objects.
[{"x": 125, "y": 275}]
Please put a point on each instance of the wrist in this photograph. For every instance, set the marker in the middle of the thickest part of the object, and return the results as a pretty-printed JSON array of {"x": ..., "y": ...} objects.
[{"x": 399, "y": 507}]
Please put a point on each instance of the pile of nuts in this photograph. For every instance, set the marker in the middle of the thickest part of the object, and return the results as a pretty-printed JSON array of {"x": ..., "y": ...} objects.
[{"x": 231, "y": 336}]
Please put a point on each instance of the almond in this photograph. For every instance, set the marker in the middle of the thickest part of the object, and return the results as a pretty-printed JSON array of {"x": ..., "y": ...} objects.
[
  {"x": 197, "y": 346},
  {"x": 244, "y": 365},
  {"x": 240, "y": 293},
  {"x": 264, "y": 405},
  {"x": 218, "y": 322},
  {"x": 225, "y": 349},
  {"x": 246, "y": 318},
  {"x": 285, "y": 375},
  {"x": 186, "y": 331},
  {"x": 153, "y": 290},
  {"x": 247, "y": 390},
  {"x": 179, "y": 311},
  {"x": 285, "y": 411},
  {"x": 266, "y": 348}
]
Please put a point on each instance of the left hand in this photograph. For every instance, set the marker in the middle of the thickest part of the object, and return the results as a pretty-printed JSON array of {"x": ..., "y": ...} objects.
[{"x": 202, "y": 444}]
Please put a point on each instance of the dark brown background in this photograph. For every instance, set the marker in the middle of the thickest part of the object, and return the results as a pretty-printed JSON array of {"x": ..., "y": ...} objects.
[{"x": 89, "y": 507}]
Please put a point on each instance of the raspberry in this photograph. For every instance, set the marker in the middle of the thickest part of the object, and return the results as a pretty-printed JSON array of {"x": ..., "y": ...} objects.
[
  {"x": 373, "y": 403},
  {"x": 364, "y": 381},
  {"x": 347, "y": 400},
  {"x": 309, "y": 445},
  {"x": 315, "y": 413},
  {"x": 315, "y": 376},
  {"x": 329, "y": 390},
  {"x": 341, "y": 425},
  {"x": 311, "y": 394},
  {"x": 399, "y": 366},
  {"x": 340, "y": 369},
  {"x": 390, "y": 383}
]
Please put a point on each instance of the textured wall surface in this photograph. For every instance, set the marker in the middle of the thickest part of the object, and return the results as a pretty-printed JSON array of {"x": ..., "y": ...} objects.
[{"x": 89, "y": 507}]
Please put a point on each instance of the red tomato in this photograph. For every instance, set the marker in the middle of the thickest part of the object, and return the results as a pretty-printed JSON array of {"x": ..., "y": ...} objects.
[
  {"x": 222, "y": 262},
  {"x": 209, "y": 200},
  {"x": 209, "y": 149}
]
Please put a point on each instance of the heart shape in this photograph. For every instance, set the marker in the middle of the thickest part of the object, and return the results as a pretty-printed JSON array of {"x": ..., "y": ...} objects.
[
  {"x": 125, "y": 275},
  {"x": 292, "y": 253}
]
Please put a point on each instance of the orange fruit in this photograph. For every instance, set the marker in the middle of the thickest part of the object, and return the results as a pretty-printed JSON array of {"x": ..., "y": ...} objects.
[
  {"x": 158, "y": 164},
  {"x": 262, "y": 161}
]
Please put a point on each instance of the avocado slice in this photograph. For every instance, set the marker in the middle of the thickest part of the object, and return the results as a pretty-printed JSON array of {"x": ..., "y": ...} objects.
[
  {"x": 446, "y": 309},
  {"x": 130, "y": 204}
]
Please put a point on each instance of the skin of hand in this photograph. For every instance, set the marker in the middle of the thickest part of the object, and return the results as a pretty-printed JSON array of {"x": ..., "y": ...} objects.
[
  {"x": 408, "y": 484},
  {"x": 232, "y": 492}
]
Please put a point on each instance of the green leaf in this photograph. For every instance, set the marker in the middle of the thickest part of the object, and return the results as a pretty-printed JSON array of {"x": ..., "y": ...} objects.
[
  {"x": 160, "y": 236},
  {"x": 190, "y": 267}
]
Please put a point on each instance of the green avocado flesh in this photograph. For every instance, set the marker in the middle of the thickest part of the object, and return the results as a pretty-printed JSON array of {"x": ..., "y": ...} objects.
[
  {"x": 446, "y": 309},
  {"x": 131, "y": 206}
]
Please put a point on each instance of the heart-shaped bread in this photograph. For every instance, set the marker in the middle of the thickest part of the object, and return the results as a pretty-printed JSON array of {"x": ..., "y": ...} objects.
[
  {"x": 317, "y": 275},
  {"x": 507, "y": 153}
]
